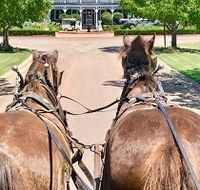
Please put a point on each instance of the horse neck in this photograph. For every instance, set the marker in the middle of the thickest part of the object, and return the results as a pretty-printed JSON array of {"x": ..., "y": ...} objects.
[
  {"x": 37, "y": 88},
  {"x": 141, "y": 88}
]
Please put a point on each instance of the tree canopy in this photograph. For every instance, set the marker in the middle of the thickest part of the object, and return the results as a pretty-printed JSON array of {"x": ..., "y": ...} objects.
[
  {"x": 106, "y": 18},
  {"x": 171, "y": 12},
  {"x": 16, "y": 12},
  {"x": 117, "y": 16}
]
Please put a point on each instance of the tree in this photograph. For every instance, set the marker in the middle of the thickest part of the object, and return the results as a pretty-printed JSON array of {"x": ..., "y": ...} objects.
[
  {"x": 16, "y": 12},
  {"x": 117, "y": 16},
  {"x": 106, "y": 18},
  {"x": 174, "y": 13},
  {"x": 194, "y": 15}
]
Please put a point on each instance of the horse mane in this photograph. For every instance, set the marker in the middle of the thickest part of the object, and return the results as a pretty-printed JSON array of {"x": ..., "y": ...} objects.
[{"x": 149, "y": 80}]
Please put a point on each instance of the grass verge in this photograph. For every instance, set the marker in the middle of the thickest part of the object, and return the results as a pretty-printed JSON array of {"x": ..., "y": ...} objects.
[
  {"x": 15, "y": 58},
  {"x": 185, "y": 60}
]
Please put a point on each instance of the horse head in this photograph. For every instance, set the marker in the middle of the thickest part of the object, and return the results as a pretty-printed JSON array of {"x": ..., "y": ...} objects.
[
  {"x": 44, "y": 67},
  {"x": 137, "y": 56},
  {"x": 140, "y": 64}
]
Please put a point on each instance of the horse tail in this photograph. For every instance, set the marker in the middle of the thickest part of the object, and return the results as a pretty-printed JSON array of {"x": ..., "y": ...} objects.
[{"x": 164, "y": 169}]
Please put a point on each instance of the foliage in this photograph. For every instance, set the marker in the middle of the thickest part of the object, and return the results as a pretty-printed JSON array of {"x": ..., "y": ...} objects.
[
  {"x": 153, "y": 31},
  {"x": 76, "y": 16},
  {"x": 117, "y": 16},
  {"x": 16, "y": 12},
  {"x": 51, "y": 26},
  {"x": 14, "y": 58},
  {"x": 111, "y": 27},
  {"x": 174, "y": 13},
  {"x": 106, "y": 18},
  {"x": 194, "y": 14},
  {"x": 29, "y": 32}
]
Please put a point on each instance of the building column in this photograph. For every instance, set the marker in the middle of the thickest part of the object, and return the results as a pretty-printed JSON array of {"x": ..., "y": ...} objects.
[
  {"x": 81, "y": 18},
  {"x": 96, "y": 11},
  {"x": 112, "y": 11},
  {"x": 49, "y": 15}
]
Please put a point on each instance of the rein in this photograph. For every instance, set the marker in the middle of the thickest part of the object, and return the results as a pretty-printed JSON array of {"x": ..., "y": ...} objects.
[{"x": 90, "y": 110}]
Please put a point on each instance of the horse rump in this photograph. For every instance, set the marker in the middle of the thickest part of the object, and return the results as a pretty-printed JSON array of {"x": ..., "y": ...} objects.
[
  {"x": 8, "y": 174},
  {"x": 165, "y": 170}
]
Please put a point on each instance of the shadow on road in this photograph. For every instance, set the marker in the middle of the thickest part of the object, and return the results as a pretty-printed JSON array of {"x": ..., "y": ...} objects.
[
  {"x": 182, "y": 90},
  {"x": 5, "y": 87},
  {"x": 111, "y": 49}
]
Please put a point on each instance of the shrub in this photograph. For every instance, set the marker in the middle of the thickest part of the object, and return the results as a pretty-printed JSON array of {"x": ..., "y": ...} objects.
[
  {"x": 76, "y": 16},
  {"x": 117, "y": 16},
  {"x": 111, "y": 27},
  {"x": 106, "y": 18},
  {"x": 25, "y": 32},
  {"x": 153, "y": 31}
]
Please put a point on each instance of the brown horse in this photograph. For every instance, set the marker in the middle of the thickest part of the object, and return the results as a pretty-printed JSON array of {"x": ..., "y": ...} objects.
[
  {"x": 141, "y": 153},
  {"x": 25, "y": 159}
]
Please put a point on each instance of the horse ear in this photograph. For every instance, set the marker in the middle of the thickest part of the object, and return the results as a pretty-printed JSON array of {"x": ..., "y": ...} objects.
[
  {"x": 150, "y": 43},
  {"x": 137, "y": 43},
  {"x": 55, "y": 54},
  {"x": 126, "y": 41},
  {"x": 36, "y": 54}
]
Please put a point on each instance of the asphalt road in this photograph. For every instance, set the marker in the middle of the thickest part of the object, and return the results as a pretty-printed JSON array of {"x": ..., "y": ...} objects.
[{"x": 92, "y": 76}]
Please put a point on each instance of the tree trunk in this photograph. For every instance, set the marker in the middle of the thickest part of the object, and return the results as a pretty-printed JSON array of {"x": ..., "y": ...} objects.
[
  {"x": 174, "y": 37},
  {"x": 165, "y": 40},
  {"x": 5, "y": 45}
]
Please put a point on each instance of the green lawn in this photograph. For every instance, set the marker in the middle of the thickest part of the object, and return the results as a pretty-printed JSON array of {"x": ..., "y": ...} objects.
[
  {"x": 186, "y": 61},
  {"x": 9, "y": 59}
]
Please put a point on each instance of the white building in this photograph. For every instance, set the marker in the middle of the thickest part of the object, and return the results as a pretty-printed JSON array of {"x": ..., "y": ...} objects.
[{"x": 86, "y": 8}]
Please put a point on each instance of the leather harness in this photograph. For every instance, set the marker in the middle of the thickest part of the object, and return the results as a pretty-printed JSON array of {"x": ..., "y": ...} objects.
[
  {"x": 155, "y": 101},
  {"x": 20, "y": 102}
]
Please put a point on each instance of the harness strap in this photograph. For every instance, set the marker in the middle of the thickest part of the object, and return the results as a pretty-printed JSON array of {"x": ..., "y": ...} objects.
[
  {"x": 76, "y": 178},
  {"x": 94, "y": 110},
  {"x": 78, "y": 158},
  {"x": 179, "y": 145}
]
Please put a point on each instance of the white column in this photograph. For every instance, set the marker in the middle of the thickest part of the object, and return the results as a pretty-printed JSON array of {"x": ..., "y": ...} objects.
[
  {"x": 80, "y": 1},
  {"x": 112, "y": 10},
  {"x": 96, "y": 24},
  {"x": 81, "y": 18},
  {"x": 49, "y": 15}
]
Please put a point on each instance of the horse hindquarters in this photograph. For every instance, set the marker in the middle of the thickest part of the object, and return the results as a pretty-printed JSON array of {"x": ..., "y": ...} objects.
[
  {"x": 165, "y": 170},
  {"x": 9, "y": 176}
]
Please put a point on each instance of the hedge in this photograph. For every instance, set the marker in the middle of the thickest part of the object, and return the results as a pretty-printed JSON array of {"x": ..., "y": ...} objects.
[
  {"x": 111, "y": 27},
  {"x": 153, "y": 31},
  {"x": 25, "y": 32}
]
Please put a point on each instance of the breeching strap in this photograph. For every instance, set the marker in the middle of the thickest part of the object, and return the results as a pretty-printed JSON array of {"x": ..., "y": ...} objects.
[{"x": 179, "y": 145}]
